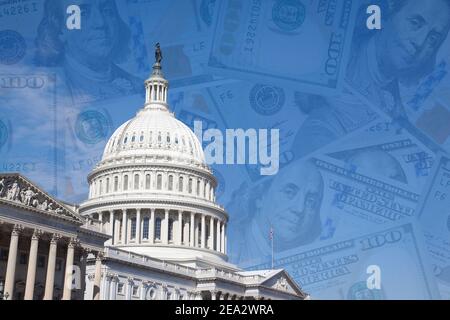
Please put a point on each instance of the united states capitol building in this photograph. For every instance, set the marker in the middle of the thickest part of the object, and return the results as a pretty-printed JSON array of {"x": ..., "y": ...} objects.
[{"x": 150, "y": 230}]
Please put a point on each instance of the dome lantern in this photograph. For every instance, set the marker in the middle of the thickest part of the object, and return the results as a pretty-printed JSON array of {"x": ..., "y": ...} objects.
[{"x": 156, "y": 87}]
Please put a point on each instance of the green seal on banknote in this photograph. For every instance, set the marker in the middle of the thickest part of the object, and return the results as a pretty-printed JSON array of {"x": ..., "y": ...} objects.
[
  {"x": 266, "y": 100},
  {"x": 288, "y": 15},
  {"x": 92, "y": 126},
  {"x": 360, "y": 291}
]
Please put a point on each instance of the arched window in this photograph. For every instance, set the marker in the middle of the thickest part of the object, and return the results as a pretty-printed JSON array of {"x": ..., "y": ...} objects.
[
  {"x": 198, "y": 187},
  {"x": 158, "y": 228},
  {"x": 116, "y": 183},
  {"x": 133, "y": 228},
  {"x": 107, "y": 185},
  {"x": 190, "y": 185},
  {"x": 147, "y": 181},
  {"x": 100, "y": 187},
  {"x": 133, "y": 139},
  {"x": 170, "y": 230},
  {"x": 180, "y": 184},
  {"x": 136, "y": 181},
  {"x": 125, "y": 182},
  {"x": 170, "y": 183},
  {"x": 159, "y": 182},
  {"x": 204, "y": 189},
  {"x": 145, "y": 228}
]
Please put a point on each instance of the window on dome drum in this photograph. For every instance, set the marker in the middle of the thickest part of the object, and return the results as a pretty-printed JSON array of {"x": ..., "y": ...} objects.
[
  {"x": 170, "y": 229},
  {"x": 158, "y": 228},
  {"x": 116, "y": 183},
  {"x": 199, "y": 235},
  {"x": 176, "y": 139},
  {"x": 120, "y": 230},
  {"x": 141, "y": 138},
  {"x": 168, "y": 137},
  {"x": 198, "y": 187},
  {"x": 133, "y": 228},
  {"x": 107, "y": 185},
  {"x": 159, "y": 182},
  {"x": 125, "y": 140},
  {"x": 100, "y": 187},
  {"x": 136, "y": 181},
  {"x": 145, "y": 228},
  {"x": 190, "y": 185},
  {"x": 170, "y": 183},
  {"x": 133, "y": 139},
  {"x": 147, "y": 181},
  {"x": 180, "y": 184},
  {"x": 135, "y": 291},
  {"x": 159, "y": 136},
  {"x": 125, "y": 183}
]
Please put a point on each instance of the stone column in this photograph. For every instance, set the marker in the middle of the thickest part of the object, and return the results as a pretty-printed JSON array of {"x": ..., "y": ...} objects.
[
  {"x": 152, "y": 226},
  {"x": 50, "y": 278},
  {"x": 203, "y": 231},
  {"x": 218, "y": 235},
  {"x": 180, "y": 228},
  {"x": 222, "y": 240},
  {"x": 100, "y": 218},
  {"x": 113, "y": 287},
  {"x": 68, "y": 278},
  {"x": 32, "y": 261},
  {"x": 191, "y": 232},
  {"x": 97, "y": 276},
  {"x": 111, "y": 225},
  {"x": 83, "y": 262},
  {"x": 138, "y": 226},
  {"x": 196, "y": 237},
  {"x": 211, "y": 234},
  {"x": 11, "y": 266},
  {"x": 124, "y": 226},
  {"x": 165, "y": 228}
]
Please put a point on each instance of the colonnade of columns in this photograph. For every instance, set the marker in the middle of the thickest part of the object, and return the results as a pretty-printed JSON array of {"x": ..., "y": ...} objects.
[
  {"x": 55, "y": 240},
  {"x": 164, "y": 226}
]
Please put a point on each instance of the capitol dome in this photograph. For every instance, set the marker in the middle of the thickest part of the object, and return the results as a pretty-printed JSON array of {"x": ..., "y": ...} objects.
[{"x": 153, "y": 191}]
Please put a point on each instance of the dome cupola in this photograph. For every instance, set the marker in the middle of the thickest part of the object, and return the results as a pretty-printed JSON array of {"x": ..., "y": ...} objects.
[{"x": 152, "y": 189}]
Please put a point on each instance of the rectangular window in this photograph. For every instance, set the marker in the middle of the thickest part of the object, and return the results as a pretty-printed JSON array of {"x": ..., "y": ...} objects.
[
  {"x": 158, "y": 228},
  {"x": 107, "y": 185},
  {"x": 170, "y": 183},
  {"x": 136, "y": 182},
  {"x": 133, "y": 228},
  {"x": 4, "y": 254},
  {"x": 147, "y": 181},
  {"x": 23, "y": 258},
  {"x": 58, "y": 265},
  {"x": 190, "y": 186},
  {"x": 145, "y": 229},
  {"x": 135, "y": 291},
  {"x": 120, "y": 288},
  {"x": 41, "y": 262},
  {"x": 125, "y": 183},
  {"x": 159, "y": 182}
]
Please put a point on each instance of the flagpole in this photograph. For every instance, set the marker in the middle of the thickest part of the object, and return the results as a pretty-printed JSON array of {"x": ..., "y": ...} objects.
[{"x": 271, "y": 237}]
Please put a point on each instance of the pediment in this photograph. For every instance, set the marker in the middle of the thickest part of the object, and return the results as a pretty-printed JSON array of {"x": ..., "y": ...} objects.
[
  {"x": 283, "y": 282},
  {"x": 18, "y": 190}
]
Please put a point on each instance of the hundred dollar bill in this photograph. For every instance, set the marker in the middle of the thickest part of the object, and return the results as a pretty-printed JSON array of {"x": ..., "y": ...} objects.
[
  {"x": 434, "y": 215},
  {"x": 85, "y": 133},
  {"x": 29, "y": 127},
  {"x": 307, "y": 122},
  {"x": 389, "y": 73},
  {"x": 184, "y": 28},
  {"x": 392, "y": 260},
  {"x": 105, "y": 59},
  {"x": 397, "y": 157},
  {"x": 310, "y": 201},
  {"x": 299, "y": 43}
]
